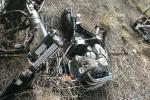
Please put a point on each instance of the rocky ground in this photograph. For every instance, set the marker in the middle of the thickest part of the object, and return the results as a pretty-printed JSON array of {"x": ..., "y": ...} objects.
[{"x": 130, "y": 56}]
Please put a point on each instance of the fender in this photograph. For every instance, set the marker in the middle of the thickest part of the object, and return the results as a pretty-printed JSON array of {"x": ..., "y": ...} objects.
[{"x": 67, "y": 23}]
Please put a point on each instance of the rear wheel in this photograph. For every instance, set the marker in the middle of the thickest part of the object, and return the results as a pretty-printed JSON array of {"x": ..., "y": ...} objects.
[
  {"x": 8, "y": 5},
  {"x": 12, "y": 19}
]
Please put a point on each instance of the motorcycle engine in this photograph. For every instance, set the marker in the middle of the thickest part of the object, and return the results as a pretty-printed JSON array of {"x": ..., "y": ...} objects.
[{"x": 90, "y": 67}]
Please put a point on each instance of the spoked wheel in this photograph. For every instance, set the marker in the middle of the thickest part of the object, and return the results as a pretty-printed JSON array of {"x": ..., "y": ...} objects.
[
  {"x": 12, "y": 22},
  {"x": 9, "y": 12},
  {"x": 9, "y": 5}
]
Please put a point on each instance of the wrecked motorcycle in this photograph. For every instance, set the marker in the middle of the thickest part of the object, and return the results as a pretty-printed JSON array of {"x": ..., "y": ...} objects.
[{"x": 78, "y": 53}]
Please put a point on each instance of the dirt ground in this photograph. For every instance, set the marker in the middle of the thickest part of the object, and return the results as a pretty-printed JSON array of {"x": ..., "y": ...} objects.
[{"x": 129, "y": 55}]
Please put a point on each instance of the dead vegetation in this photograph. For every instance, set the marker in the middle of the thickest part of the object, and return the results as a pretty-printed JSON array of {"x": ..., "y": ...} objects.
[{"x": 130, "y": 56}]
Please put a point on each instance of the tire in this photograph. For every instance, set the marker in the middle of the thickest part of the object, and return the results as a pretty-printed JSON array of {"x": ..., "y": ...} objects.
[
  {"x": 12, "y": 19},
  {"x": 15, "y": 5}
]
